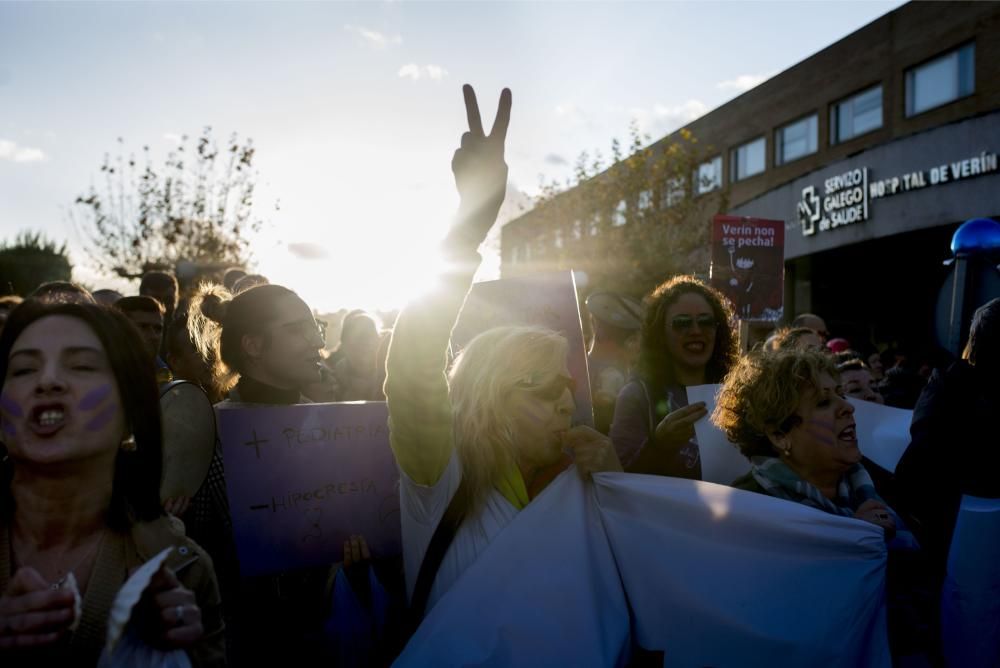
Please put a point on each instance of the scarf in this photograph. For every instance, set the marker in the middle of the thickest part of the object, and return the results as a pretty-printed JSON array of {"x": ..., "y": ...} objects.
[{"x": 855, "y": 486}]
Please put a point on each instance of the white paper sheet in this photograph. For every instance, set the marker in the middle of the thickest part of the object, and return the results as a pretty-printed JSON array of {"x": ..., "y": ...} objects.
[
  {"x": 721, "y": 461},
  {"x": 883, "y": 432}
]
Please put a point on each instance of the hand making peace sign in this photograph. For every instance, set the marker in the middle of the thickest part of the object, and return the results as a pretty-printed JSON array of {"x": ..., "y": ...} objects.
[{"x": 480, "y": 170}]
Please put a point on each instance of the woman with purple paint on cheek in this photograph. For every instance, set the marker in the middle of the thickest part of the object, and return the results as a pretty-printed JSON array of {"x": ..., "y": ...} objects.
[
  {"x": 787, "y": 412},
  {"x": 79, "y": 502}
]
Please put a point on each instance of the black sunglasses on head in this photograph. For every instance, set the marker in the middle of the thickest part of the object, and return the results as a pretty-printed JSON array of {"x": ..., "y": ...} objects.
[{"x": 684, "y": 323}]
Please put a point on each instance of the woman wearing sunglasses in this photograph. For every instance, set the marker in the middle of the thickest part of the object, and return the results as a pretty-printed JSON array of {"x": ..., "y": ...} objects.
[
  {"x": 476, "y": 445},
  {"x": 687, "y": 339}
]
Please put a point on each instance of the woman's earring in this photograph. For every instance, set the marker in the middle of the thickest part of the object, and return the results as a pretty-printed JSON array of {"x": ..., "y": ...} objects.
[{"x": 128, "y": 444}]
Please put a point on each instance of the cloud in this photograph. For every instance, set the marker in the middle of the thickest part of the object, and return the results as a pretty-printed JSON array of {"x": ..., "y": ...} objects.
[
  {"x": 307, "y": 251},
  {"x": 417, "y": 72},
  {"x": 665, "y": 118},
  {"x": 173, "y": 137},
  {"x": 555, "y": 159},
  {"x": 743, "y": 82},
  {"x": 374, "y": 38},
  {"x": 571, "y": 115},
  {"x": 11, "y": 151}
]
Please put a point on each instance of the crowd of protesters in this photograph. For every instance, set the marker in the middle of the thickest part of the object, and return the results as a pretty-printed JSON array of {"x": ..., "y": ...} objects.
[{"x": 476, "y": 439}]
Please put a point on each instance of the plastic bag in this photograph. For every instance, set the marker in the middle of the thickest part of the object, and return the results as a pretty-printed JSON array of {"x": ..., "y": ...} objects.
[
  {"x": 124, "y": 648},
  {"x": 353, "y": 631}
]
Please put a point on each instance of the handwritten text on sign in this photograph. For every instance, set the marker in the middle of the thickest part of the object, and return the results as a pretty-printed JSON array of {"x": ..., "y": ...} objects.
[{"x": 301, "y": 479}]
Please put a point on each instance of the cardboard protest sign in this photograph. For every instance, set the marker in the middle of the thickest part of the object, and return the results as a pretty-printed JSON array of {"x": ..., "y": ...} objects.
[
  {"x": 883, "y": 432},
  {"x": 721, "y": 461},
  {"x": 548, "y": 300},
  {"x": 748, "y": 265},
  {"x": 300, "y": 479}
]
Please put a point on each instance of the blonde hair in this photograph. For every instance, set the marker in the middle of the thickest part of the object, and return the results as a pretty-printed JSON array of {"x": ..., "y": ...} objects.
[
  {"x": 205, "y": 315},
  {"x": 481, "y": 379}
]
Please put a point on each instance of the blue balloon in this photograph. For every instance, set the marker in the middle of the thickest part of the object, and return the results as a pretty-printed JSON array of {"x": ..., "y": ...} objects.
[{"x": 978, "y": 235}]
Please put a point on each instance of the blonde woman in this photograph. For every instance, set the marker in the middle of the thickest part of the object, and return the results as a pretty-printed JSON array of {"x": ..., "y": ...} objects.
[{"x": 472, "y": 444}]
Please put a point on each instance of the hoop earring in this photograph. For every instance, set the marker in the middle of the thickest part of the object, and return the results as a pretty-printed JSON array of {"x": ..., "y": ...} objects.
[{"x": 128, "y": 444}]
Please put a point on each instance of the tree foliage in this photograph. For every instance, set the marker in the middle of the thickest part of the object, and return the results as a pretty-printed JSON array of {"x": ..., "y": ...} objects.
[
  {"x": 634, "y": 221},
  {"x": 197, "y": 206},
  {"x": 30, "y": 260}
]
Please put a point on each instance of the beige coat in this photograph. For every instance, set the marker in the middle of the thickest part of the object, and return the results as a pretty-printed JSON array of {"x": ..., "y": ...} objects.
[{"x": 118, "y": 555}]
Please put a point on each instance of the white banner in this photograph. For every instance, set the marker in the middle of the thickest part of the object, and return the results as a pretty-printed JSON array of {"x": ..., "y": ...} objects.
[{"x": 710, "y": 575}]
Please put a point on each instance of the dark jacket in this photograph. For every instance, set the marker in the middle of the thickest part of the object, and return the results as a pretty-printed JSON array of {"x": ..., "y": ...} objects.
[{"x": 954, "y": 450}]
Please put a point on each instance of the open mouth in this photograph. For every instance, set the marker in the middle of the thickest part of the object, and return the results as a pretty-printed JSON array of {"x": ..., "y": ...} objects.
[
  {"x": 849, "y": 434},
  {"x": 696, "y": 347},
  {"x": 48, "y": 418}
]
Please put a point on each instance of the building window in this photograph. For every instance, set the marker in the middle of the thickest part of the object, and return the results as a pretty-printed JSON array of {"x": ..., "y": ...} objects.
[
  {"x": 856, "y": 115},
  {"x": 557, "y": 238},
  {"x": 542, "y": 244},
  {"x": 645, "y": 200},
  {"x": 796, "y": 140},
  {"x": 527, "y": 252},
  {"x": 513, "y": 254},
  {"x": 577, "y": 229},
  {"x": 619, "y": 216},
  {"x": 942, "y": 80},
  {"x": 673, "y": 192},
  {"x": 747, "y": 160},
  {"x": 709, "y": 176},
  {"x": 595, "y": 224}
]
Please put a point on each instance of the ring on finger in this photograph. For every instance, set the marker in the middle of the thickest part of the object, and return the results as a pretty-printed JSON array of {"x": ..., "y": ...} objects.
[{"x": 179, "y": 613}]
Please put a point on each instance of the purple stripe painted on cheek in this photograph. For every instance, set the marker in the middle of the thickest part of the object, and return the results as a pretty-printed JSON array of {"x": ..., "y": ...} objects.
[
  {"x": 822, "y": 431},
  {"x": 8, "y": 429},
  {"x": 94, "y": 398},
  {"x": 11, "y": 406},
  {"x": 102, "y": 419}
]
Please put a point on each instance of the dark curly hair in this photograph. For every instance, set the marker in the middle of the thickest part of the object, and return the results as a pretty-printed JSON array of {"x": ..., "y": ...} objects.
[
  {"x": 655, "y": 365},
  {"x": 135, "y": 490}
]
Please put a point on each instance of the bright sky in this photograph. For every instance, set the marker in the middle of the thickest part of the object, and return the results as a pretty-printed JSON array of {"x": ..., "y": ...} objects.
[{"x": 355, "y": 109}]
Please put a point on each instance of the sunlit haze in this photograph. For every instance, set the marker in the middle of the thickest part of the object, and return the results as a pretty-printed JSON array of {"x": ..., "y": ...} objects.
[{"x": 355, "y": 109}]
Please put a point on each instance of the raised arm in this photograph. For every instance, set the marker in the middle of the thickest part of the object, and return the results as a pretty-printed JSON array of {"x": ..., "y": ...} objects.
[{"x": 416, "y": 386}]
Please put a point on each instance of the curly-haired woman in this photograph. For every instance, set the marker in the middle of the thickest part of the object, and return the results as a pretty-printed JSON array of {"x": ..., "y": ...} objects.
[{"x": 687, "y": 339}]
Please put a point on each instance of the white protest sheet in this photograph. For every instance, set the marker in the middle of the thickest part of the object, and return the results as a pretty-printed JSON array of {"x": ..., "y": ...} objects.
[
  {"x": 717, "y": 576},
  {"x": 721, "y": 461},
  {"x": 544, "y": 593},
  {"x": 970, "y": 598},
  {"x": 883, "y": 432},
  {"x": 711, "y": 576}
]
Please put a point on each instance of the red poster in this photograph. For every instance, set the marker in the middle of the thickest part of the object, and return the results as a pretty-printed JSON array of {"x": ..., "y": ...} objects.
[{"x": 748, "y": 265}]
